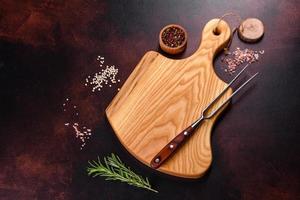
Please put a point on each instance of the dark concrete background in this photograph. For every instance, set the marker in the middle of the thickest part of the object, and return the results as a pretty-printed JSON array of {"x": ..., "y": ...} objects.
[{"x": 48, "y": 47}]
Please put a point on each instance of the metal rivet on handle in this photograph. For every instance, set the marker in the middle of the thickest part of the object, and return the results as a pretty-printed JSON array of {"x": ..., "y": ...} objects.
[
  {"x": 185, "y": 133},
  {"x": 157, "y": 160}
]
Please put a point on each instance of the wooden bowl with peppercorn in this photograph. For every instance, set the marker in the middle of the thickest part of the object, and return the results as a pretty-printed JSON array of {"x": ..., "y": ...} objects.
[{"x": 173, "y": 39}]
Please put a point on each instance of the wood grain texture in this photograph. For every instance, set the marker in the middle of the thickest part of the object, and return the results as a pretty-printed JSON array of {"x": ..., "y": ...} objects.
[
  {"x": 163, "y": 96},
  {"x": 251, "y": 30}
]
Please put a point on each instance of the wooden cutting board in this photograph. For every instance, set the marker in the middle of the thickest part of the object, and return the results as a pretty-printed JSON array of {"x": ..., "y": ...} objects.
[{"x": 162, "y": 97}]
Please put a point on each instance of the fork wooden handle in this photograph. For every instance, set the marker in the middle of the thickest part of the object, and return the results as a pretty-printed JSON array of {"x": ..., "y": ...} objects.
[{"x": 172, "y": 146}]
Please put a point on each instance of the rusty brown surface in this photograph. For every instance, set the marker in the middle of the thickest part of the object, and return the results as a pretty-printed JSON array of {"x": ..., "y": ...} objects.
[{"x": 47, "y": 48}]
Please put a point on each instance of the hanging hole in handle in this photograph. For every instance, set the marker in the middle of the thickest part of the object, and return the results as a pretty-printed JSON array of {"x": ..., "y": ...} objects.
[{"x": 216, "y": 31}]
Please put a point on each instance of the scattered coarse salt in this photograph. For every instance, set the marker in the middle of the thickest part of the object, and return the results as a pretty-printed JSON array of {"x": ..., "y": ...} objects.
[
  {"x": 82, "y": 133},
  {"x": 106, "y": 76},
  {"x": 238, "y": 57},
  {"x": 100, "y": 58},
  {"x": 83, "y": 136}
]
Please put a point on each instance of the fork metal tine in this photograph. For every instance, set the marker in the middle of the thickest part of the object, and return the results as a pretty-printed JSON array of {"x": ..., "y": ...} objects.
[
  {"x": 229, "y": 98},
  {"x": 225, "y": 89}
]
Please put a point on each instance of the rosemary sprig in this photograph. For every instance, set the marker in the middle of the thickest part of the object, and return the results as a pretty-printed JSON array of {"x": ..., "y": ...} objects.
[{"x": 114, "y": 169}]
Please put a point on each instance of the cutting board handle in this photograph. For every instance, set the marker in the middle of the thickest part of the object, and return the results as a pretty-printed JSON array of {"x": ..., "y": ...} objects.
[{"x": 215, "y": 37}]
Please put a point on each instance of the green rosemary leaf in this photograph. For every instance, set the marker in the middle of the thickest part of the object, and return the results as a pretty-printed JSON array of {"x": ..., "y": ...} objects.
[{"x": 114, "y": 169}]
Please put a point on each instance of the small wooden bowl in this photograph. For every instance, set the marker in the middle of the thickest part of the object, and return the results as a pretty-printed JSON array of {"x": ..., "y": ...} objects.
[{"x": 172, "y": 50}]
